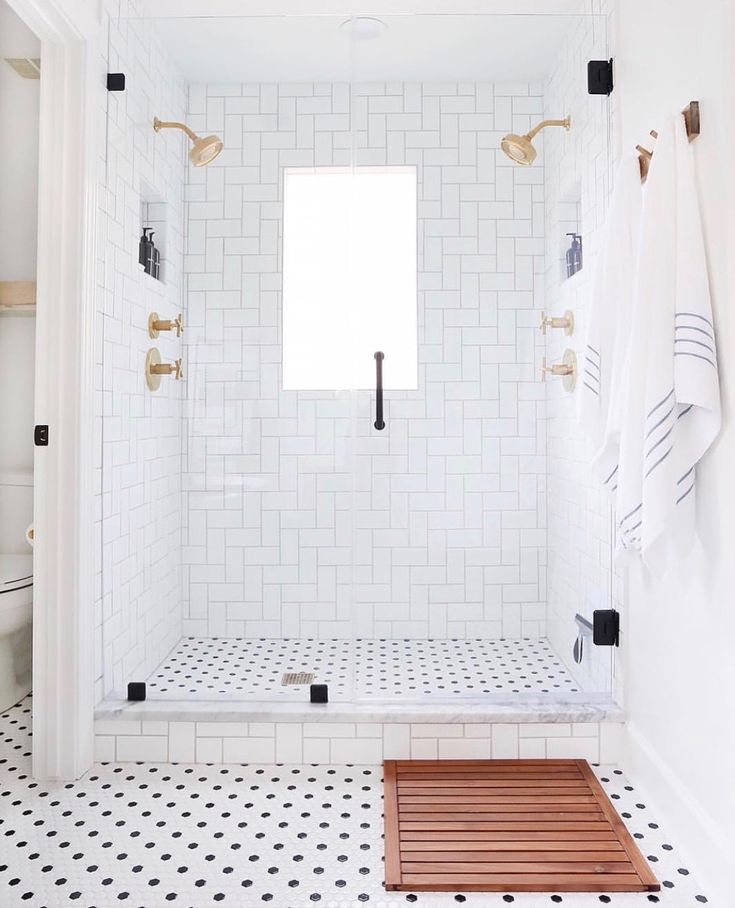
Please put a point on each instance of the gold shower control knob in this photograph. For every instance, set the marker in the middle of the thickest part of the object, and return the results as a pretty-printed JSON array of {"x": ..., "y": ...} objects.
[
  {"x": 566, "y": 322},
  {"x": 154, "y": 369},
  {"x": 156, "y": 325},
  {"x": 567, "y": 369}
]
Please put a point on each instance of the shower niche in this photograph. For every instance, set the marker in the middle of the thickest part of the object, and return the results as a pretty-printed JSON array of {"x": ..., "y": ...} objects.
[
  {"x": 152, "y": 233},
  {"x": 568, "y": 230}
]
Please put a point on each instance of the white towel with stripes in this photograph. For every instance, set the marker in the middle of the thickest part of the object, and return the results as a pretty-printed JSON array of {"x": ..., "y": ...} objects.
[
  {"x": 599, "y": 402},
  {"x": 672, "y": 403}
]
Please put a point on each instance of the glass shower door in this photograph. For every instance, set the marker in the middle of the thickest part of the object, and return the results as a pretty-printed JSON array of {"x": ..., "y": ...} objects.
[
  {"x": 266, "y": 477},
  {"x": 458, "y": 526}
]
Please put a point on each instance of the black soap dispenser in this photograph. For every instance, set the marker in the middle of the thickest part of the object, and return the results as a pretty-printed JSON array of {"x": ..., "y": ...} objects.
[
  {"x": 143, "y": 249},
  {"x": 574, "y": 254},
  {"x": 150, "y": 265},
  {"x": 156, "y": 261}
]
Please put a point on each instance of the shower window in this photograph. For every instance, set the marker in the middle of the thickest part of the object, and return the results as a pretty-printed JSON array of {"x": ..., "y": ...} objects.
[{"x": 349, "y": 277}]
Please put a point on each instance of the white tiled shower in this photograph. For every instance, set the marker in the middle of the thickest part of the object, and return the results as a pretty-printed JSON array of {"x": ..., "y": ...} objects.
[
  {"x": 445, "y": 510},
  {"x": 233, "y": 510}
]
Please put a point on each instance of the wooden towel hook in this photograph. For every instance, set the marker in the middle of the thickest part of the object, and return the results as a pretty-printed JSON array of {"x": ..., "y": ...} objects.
[{"x": 692, "y": 120}]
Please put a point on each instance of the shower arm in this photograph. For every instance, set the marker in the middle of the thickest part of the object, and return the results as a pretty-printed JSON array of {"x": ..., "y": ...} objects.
[
  {"x": 158, "y": 125},
  {"x": 566, "y": 123}
]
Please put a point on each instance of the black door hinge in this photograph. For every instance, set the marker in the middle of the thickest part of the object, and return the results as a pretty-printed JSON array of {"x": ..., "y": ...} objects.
[
  {"x": 600, "y": 77},
  {"x": 606, "y": 627}
]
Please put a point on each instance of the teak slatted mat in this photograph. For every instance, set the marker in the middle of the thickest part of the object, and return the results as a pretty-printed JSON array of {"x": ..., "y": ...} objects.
[{"x": 506, "y": 826}]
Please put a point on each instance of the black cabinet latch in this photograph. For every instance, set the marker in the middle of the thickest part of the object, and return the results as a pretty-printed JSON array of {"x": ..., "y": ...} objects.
[{"x": 40, "y": 436}]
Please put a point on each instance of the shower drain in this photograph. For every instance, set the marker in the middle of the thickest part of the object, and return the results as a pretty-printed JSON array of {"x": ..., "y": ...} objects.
[{"x": 296, "y": 678}]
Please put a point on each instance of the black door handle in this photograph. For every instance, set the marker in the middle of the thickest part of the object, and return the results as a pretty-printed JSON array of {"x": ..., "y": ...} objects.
[{"x": 379, "y": 423}]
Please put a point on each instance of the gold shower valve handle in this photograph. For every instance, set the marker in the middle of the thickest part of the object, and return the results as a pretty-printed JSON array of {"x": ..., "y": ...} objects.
[
  {"x": 154, "y": 369},
  {"x": 565, "y": 321},
  {"x": 173, "y": 368},
  {"x": 566, "y": 369},
  {"x": 156, "y": 325},
  {"x": 556, "y": 369}
]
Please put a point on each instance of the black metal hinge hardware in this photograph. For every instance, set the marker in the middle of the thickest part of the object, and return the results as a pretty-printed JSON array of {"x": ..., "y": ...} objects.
[
  {"x": 600, "y": 77},
  {"x": 116, "y": 81},
  {"x": 605, "y": 627}
]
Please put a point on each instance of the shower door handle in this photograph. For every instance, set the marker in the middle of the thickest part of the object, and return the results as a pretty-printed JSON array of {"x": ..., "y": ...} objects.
[{"x": 379, "y": 422}]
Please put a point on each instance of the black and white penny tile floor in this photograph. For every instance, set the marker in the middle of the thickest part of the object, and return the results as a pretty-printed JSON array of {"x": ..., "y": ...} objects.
[
  {"x": 239, "y": 668},
  {"x": 149, "y": 835}
]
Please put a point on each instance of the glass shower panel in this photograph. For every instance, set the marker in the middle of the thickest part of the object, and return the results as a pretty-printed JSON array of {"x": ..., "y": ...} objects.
[
  {"x": 140, "y": 507},
  {"x": 479, "y": 533},
  {"x": 258, "y": 530},
  {"x": 266, "y": 478}
]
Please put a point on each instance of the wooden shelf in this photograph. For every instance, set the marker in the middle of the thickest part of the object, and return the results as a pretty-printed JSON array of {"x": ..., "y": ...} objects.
[{"x": 17, "y": 296}]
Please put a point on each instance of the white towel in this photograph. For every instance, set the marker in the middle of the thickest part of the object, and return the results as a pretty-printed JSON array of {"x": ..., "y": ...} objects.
[
  {"x": 599, "y": 402},
  {"x": 672, "y": 404}
]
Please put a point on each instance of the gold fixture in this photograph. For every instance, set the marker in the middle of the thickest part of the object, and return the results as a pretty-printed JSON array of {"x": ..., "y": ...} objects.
[
  {"x": 203, "y": 151},
  {"x": 645, "y": 156},
  {"x": 694, "y": 128},
  {"x": 288, "y": 678},
  {"x": 26, "y": 67},
  {"x": 156, "y": 325},
  {"x": 520, "y": 148},
  {"x": 154, "y": 369},
  {"x": 566, "y": 322},
  {"x": 567, "y": 369}
]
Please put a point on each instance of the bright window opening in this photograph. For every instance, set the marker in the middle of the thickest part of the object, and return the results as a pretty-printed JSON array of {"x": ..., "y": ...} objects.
[{"x": 349, "y": 277}]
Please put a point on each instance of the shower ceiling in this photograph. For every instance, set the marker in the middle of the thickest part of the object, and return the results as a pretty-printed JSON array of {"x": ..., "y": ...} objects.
[{"x": 507, "y": 48}]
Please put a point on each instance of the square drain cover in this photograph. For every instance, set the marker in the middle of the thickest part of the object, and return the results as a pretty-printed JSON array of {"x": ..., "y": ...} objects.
[{"x": 296, "y": 678}]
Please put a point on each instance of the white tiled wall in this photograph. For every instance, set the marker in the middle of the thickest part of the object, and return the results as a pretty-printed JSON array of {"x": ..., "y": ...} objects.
[
  {"x": 577, "y": 179},
  {"x": 348, "y": 742},
  {"x": 290, "y": 497},
  {"x": 139, "y": 592}
]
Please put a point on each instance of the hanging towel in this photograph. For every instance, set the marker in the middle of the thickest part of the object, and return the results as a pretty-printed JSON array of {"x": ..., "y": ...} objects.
[
  {"x": 672, "y": 400},
  {"x": 599, "y": 402}
]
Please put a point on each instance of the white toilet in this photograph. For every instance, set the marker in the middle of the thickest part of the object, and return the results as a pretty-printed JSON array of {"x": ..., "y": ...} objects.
[
  {"x": 16, "y": 587},
  {"x": 16, "y": 608}
]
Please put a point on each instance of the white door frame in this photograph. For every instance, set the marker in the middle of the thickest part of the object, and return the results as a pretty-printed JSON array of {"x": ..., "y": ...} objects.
[{"x": 64, "y": 477}]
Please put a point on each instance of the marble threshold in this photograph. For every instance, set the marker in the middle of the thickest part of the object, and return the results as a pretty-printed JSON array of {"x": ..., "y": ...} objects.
[{"x": 508, "y": 708}]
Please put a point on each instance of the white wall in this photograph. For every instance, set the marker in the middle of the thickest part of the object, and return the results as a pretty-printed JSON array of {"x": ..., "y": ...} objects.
[
  {"x": 439, "y": 520},
  {"x": 19, "y": 110},
  {"x": 680, "y": 666},
  {"x": 19, "y": 106}
]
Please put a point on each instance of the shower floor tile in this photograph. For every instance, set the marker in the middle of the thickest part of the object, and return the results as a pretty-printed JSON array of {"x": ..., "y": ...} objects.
[
  {"x": 151, "y": 835},
  {"x": 252, "y": 669}
]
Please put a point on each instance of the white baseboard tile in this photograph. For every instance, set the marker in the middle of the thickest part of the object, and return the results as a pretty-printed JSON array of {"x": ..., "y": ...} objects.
[
  {"x": 249, "y": 750},
  {"x": 182, "y": 742},
  {"x": 349, "y": 742}
]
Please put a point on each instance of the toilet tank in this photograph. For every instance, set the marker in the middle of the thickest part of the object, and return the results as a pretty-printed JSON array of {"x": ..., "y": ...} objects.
[
  {"x": 16, "y": 512},
  {"x": 17, "y": 352}
]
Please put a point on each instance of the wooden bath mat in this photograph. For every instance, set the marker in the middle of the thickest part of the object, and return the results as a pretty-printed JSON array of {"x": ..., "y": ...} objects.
[{"x": 506, "y": 826}]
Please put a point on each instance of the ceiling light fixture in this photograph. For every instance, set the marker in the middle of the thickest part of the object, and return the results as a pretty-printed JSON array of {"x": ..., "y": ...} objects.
[{"x": 363, "y": 28}]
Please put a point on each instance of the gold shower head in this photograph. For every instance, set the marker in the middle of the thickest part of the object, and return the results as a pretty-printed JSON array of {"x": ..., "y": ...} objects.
[
  {"x": 203, "y": 150},
  {"x": 520, "y": 148}
]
